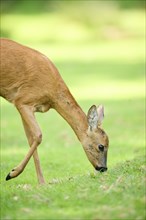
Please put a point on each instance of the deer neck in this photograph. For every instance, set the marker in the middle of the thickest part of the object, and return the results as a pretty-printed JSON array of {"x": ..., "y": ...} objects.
[{"x": 69, "y": 109}]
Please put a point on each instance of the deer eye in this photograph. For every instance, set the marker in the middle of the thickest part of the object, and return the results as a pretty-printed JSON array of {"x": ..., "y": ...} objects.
[{"x": 101, "y": 147}]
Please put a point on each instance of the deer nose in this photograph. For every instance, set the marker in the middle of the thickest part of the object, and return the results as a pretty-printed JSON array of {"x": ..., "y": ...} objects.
[{"x": 101, "y": 169}]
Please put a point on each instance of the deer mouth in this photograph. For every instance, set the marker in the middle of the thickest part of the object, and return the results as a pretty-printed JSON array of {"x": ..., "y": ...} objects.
[{"x": 101, "y": 169}]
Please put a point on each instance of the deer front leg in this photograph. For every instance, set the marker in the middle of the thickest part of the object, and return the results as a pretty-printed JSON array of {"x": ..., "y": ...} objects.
[
  {"x": 35, "y": 154},
  {"x": 34, "y": 136}
]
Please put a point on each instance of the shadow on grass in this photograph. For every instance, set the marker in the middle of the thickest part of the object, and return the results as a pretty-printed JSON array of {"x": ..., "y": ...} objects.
[{"x": 102, "y": 70}]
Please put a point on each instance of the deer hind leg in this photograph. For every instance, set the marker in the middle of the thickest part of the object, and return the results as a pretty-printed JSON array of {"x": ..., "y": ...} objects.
[{"x": 34, "y": 136}]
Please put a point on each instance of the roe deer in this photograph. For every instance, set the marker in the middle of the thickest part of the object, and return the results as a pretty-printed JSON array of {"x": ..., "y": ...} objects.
[{"x": 32, "y": 83}]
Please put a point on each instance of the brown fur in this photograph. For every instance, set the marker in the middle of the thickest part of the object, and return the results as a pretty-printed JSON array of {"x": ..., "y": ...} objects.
[{"x": 32, "y": 83}]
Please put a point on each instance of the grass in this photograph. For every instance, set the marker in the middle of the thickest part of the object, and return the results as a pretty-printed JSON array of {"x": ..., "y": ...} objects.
[
  {"x": 110, "y": 72},
  {"x": 117, "y": 194}
]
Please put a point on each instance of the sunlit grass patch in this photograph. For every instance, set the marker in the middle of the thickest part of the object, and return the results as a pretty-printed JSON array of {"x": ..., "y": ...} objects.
[
  {"x": 110, "y": 90},
  {"x": 69, "y": 26}
]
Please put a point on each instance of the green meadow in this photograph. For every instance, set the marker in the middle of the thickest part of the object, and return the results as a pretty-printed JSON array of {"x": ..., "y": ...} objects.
[{"x": 104, "y": 66}]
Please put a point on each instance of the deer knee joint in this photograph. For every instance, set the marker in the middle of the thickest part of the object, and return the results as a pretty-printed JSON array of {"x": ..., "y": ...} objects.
[{"x": 38, "y": 138}]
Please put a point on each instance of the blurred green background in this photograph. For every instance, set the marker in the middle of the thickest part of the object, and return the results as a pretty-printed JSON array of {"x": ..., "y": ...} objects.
[
  {"x": 99, "y": 49},
  {"x": 97, "y": 35}
]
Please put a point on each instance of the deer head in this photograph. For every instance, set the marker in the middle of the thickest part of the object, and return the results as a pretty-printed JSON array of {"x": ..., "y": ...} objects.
[{"x": 96, "y": 141}]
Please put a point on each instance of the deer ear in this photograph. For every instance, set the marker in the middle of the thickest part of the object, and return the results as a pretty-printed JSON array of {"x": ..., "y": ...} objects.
[
  {"x": 100, "y": 113},
  {"x": 95, "y": 116},
  {"x": 92, "y": 117}
]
